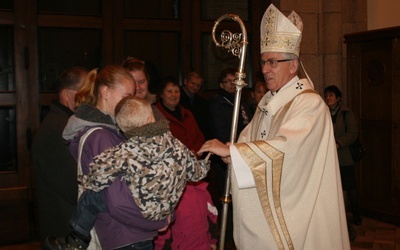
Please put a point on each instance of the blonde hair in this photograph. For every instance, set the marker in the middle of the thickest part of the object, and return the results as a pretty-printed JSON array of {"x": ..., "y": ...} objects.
[
  {"x": 132, "y": 112},
  {"x": 109, "y": 76}
]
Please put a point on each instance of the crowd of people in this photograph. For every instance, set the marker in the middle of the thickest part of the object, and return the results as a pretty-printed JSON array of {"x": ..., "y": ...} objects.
[{"x": 119, "y": 167}]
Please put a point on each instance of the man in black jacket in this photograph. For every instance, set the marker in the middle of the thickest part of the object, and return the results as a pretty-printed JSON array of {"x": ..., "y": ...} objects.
[
  {"x": 55, "y": 169},
  {"x": 190, "y": 99}
]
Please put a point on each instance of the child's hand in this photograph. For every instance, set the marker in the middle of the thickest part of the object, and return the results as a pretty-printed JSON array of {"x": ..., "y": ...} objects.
[
  {"x": 208, "y": 156},
  {"x": 227, "y": 160},
  {"x": 216, "y": 147},
  {"x": 213, "y": 247}
]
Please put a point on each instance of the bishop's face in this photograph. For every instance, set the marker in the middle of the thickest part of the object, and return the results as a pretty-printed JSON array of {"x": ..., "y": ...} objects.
[{"x": 276, "y": 72}]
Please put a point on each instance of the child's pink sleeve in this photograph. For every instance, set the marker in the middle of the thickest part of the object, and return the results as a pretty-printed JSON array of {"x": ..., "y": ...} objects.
[{"x": 159, "y": 241}]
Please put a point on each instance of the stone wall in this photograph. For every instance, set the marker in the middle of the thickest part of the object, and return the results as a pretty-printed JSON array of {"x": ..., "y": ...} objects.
[{"x": 323, "y": 51}]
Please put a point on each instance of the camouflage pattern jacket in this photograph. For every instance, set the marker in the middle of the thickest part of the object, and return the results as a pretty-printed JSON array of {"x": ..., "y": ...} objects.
[{"x": 155, "y": 166}]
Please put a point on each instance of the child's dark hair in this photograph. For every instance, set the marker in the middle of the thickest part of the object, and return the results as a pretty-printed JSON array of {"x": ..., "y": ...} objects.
[
  {"x": 166, "y": 81},
  {"x": 224, "y": 73},
  {"x": 333, "y": 89}
]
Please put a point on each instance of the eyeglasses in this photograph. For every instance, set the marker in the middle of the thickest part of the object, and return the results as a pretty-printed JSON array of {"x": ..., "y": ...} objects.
[
  {"x": 273, "y": 62},
  {"x": 229, "y": 81}
]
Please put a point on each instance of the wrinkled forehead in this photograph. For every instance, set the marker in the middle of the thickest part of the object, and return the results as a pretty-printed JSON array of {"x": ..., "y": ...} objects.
[
  {"x": 271, "y": 55},
  {"x": 196, "y": 80}
]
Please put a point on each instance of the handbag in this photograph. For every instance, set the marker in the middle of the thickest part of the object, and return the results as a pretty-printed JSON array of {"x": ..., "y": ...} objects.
[{"x": 357, "y": 150}]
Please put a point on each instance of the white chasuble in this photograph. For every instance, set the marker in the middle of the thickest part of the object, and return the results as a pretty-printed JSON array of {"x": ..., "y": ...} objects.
[{"x": 286, "y": 188}]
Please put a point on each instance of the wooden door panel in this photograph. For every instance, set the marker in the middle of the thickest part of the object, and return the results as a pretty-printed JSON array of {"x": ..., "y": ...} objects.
[
  {"x": 373, "y": 78},
  {"x": 396, "y": 125},
  {"x": 15, "y": 224},
  {"x": 376, "y": 124},
  {"x": 160, "y": 50},
  {"x": 376, "y": 82},
  {"x": 61, "y": 48},
  {"x": 376, "y": 167},
  {"x": 14, "y": 215}
]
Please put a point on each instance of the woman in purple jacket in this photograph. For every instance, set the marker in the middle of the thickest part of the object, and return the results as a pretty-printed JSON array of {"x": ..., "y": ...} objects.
[{"x": 122, "y": 226}]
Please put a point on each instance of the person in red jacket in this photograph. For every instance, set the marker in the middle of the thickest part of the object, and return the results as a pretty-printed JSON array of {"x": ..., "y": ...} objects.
[
  {"x": 195, "y": 210},
  {"x": 181, "y": 120},
  {"x": 192, "y": 229}
]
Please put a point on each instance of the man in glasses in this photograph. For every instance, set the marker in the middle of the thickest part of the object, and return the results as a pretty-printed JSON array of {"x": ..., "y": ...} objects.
[{"x": 286, "y": 189}]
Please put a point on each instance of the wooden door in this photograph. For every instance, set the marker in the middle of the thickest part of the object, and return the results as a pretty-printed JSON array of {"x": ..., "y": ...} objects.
[
  {"x": 38, "y": 40},
  {"x": 17, "y": 83},
  {"x": 373, "y": 80}
]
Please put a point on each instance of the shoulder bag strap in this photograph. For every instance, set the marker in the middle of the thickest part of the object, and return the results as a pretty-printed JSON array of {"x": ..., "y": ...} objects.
[{"x": 81, "y": 142}]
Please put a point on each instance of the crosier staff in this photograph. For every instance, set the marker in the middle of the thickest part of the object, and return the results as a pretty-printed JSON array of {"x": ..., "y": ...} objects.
[{"x": 236, "y": 43}]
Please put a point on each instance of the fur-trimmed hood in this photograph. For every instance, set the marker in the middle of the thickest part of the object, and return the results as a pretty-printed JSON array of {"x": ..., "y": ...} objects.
[{"x": 87, "y": 116}]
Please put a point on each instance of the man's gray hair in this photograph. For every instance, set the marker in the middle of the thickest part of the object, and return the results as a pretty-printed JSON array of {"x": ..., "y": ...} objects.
[{"x": 290, "y": 56}]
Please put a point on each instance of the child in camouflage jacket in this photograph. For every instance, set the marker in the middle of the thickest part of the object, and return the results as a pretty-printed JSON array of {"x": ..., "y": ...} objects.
[{"x": 155, "y": 165}]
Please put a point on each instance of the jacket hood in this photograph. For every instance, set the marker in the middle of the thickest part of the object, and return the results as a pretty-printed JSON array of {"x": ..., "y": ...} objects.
[
  {"x": 87, "y": 116},
  {"x": 151, "y": 134}
]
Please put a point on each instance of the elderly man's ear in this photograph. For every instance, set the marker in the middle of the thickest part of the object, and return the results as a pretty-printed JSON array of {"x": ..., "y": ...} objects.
[{"x": 294, "y": 66}]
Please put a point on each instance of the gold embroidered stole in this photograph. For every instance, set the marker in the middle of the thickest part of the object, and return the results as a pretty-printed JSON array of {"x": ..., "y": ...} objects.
[{"x": 256, "y": 155}]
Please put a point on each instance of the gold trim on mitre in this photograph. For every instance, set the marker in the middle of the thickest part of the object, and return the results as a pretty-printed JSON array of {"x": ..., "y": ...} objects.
[{"x": 280, "y": 33}]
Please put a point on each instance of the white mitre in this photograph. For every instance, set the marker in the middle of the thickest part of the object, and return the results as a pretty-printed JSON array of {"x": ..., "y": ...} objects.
[{"x": 280, "y": 33}]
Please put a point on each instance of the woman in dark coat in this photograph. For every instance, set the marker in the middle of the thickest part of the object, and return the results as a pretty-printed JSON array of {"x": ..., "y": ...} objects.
[{"x": 346, "y": 132}]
